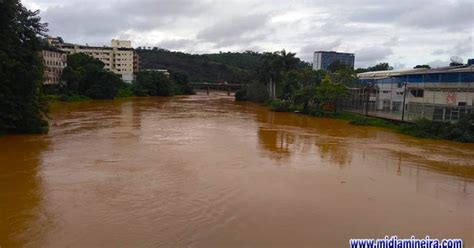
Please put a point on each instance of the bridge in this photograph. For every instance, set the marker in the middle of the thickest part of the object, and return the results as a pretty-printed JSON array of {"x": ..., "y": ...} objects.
[{"x": 219, "y": 86}]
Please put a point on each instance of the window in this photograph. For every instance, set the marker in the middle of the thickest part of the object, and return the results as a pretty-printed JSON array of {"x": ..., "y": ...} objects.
[
  {"x": 462, "y": 103},
  {"x": 417, "y": 93}
]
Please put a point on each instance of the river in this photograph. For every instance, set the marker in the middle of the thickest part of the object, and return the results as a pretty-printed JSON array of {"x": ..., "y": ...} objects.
[{"x": 205, "y": 171}]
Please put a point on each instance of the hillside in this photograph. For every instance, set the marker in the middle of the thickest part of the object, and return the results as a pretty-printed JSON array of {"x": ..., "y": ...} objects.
[
  {"x": 230, "y": 66},
  {"x": 199, "y": 68}
]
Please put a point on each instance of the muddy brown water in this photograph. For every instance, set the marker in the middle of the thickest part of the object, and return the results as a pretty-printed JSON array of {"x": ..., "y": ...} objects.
[{"x": 199, "y": 171}]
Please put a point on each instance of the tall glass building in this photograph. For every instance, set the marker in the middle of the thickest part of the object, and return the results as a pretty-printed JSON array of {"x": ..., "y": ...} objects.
[{"x": 323, "y": 59}]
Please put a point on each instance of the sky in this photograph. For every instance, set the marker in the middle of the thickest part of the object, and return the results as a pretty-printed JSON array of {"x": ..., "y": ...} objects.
[{"x": 403, "y": 33}]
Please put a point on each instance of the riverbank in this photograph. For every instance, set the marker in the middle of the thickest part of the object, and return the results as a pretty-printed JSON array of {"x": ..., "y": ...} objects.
[{"x": 461, "y": 131}]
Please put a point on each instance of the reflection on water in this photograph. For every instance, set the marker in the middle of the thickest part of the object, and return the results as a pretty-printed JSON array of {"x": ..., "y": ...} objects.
[{"x": 205, "y": 171}]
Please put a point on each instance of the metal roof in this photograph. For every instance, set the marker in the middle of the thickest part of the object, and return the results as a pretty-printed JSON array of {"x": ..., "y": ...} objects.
[{"x": 394, "y": 73}]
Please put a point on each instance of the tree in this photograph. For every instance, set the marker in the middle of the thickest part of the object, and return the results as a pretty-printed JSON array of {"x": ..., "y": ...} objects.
[
  {"x": 422, "y": 66},
  {"x": 152, "y": 83},
  {"x": 337, "y": 66},
  {"x": 378, "y": 67},
  {"x": 22, "y": 108},
  {"x": 329, "y": 93},
  {"x": 182, "y": 82},
  {"x": 86, "y": 76}
]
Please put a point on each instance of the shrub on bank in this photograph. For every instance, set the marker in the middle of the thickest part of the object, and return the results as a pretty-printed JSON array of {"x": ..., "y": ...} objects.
[
  {"x": 278, "y": 105},
  {"x": 461, "y": 131}
]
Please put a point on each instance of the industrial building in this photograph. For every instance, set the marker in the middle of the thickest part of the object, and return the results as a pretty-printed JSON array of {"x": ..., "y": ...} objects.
[
  {"x": 323, "y": 59},
  {"x": 441, "y": 94},
  {"x": 119, "y": 58}
]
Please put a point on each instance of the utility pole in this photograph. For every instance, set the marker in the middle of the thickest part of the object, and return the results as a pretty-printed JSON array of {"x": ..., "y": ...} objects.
[
  {"x": 404, "y": 100},
  {"x": 366, "y": 97}
]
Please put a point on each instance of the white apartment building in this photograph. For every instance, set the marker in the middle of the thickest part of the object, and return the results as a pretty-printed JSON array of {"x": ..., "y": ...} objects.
[
  {"x": 54, "y": 63},
  {"x": 119, "y": 58}
]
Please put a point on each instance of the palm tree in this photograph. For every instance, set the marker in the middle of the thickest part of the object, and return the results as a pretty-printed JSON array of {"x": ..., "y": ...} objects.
[{"x": 272, "y": 68}]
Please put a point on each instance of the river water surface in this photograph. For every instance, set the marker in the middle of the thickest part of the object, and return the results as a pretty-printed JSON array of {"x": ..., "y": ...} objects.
[{"x": 199, "y": 171}]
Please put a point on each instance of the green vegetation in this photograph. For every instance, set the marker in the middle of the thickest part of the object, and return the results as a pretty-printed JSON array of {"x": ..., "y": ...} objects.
[
  {"x": 66, "y": 98},
  {"x": 86, "y": 76},
  {"x": 230, "y": 67},
  {"x": 199, "y": 68},
  {"x": 150, "y": 83},
  {"x": 298, "y": 87},
  {"x": 461, "y": 131},
  {"x": 22, "y": 105},
  {"x": 279, "y": 105},
  {"x": 378, "y": 67},
  {"x": 319, "y": 93}
]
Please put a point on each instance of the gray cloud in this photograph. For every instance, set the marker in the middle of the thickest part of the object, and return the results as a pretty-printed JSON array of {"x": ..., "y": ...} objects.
[
  {"x": 306, "y": 52},
  {"x": 98, "y": 21},
  {"x": 246, "y": 28},
  {"x": 401, "y": 32},
  {"x": 456, "y": 15},
  {"x": 464, "y": 47},
  {"x": 176, "y": 44},
  {"x": 372, "y": 55}
]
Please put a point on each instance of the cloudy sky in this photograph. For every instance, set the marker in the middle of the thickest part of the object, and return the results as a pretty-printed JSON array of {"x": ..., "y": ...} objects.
[{"x": 403, "y": 33}]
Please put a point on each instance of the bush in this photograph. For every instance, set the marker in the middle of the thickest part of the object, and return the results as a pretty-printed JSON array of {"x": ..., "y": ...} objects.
[
  {"x": 278, "y": 105},
  {"x": 254, "y": 91},
  {"x": 151, "y": 83},
  {"x": 241, "y": 95},
  {"x": 125, "y": 91},
  {"x": 461, "y": 131}
]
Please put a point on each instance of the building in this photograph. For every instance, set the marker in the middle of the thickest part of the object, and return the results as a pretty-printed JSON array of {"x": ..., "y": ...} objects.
[
  {"x": 323, "y": 59},
  {"x": 441, "y": 94},
  {"x": 54, "y": 63},
  {"x": 120, "y": 58},
  {"x": 136, "y": 62}
]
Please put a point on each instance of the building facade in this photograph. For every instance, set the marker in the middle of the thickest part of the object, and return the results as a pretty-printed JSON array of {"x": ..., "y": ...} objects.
[
  {"x": 322, "y": 59},
  {"x": 54, "y": 64},
  {"x": 136, "y": 62},
  {"x": 120, "y": 58},
  {"x": 441, "y": 94}
]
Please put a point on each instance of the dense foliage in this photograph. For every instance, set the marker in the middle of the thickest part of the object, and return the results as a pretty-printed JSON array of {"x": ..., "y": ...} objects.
[
  {"x": 377, "y": 67},
  {"x": 152, "y": 83},
  {"x": 298, "y": 87},
  {"x": 22, "y": 107},
  {"x": 86, "y": 76},
  {"x": 462, "y": 130}
]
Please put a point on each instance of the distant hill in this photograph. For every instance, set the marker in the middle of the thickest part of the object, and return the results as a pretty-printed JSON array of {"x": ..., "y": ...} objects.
[
  {"x": 230, "y": 67},
  {"x": 199, "y": 68},
  {"x": 246, "y": 61}
]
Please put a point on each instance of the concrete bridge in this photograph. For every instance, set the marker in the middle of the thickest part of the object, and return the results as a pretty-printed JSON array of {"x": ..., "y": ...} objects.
[{"x": 217, "y": 86}]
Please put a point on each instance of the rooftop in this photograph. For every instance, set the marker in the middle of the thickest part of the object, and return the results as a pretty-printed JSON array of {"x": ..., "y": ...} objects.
[
  {"x": 402, "y": 72},
  {"x": 333, "y": 52}
]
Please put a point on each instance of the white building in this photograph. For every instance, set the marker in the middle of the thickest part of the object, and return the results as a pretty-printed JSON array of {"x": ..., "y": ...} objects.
[
  {"x": 442, "y": 94},
  {"x": 54, "y": 64},
  {"x": 119, "y": 58}
]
